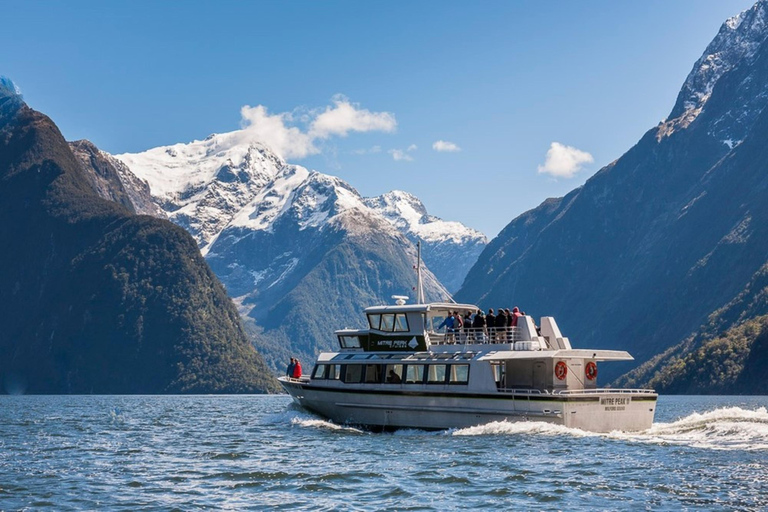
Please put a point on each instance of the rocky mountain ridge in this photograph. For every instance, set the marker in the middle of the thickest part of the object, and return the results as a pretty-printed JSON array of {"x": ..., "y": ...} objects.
[{"x": 642, "y": 255}]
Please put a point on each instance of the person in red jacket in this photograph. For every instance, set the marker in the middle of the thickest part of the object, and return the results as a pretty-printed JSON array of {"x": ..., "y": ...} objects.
[{"x": 297, "y": 369}]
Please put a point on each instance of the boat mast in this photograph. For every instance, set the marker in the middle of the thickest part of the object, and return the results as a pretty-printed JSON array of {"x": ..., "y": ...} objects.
[{"x": 419, "y": 287}]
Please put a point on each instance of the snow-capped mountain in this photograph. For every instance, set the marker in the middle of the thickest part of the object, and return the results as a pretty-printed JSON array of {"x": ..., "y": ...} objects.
[
  {"x": 449, "y": 248},
  {"x": 204, "y": 184},
  {"x": 300, "y": 251}
]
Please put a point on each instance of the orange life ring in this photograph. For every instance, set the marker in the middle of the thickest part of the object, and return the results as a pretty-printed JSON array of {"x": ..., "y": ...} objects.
[
  {"x": 591, "y": 370},
  {"x": 561, "y": 370}
]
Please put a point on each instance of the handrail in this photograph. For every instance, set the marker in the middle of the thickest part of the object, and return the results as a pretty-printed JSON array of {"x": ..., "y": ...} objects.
[
  {"x": 489, "y": 335},
  {"x": 601, "y": 390}
]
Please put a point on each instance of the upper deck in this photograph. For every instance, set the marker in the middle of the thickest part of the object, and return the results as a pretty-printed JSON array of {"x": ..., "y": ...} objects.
[{"x": 427, "y": 328}]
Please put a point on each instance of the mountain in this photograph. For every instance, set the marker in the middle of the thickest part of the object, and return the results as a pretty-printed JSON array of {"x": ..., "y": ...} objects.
[
  {"x": 97, "y": 299},
  {"x": 668, "y": 238},
  {"x": 300, "y": 251},
  {"x": 448, "y": 248}
]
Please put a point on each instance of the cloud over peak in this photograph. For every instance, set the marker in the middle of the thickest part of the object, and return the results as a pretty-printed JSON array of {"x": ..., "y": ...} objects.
[
  {"x": 564, "y": 161},
  {"x": 283, "y": 134}
]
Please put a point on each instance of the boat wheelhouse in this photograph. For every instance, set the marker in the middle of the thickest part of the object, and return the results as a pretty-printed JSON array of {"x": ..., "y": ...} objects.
[{"x": 411, "y": 369}]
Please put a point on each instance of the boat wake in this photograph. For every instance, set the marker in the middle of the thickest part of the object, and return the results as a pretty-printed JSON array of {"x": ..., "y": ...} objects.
[{"x": 727, "y": 428}]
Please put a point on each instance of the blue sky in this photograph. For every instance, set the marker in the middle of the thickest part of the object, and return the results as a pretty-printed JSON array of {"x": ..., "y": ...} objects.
[{"x": 500, "y": 81}]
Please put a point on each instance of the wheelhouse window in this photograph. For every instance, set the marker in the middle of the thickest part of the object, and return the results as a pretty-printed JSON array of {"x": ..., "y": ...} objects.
[
  {"x": 458, "y": 374},
  {"x": 436, "y": 374},
  {"x": 349, "y": 341},
  {"x": 388, "y": 322},
  {"x": 401, "y": 323}
]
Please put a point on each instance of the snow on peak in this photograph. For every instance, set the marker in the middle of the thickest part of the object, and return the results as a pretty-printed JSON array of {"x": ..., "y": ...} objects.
[
  {"x": 737, "y": 41},
  {"x": 307, "y": 198},
  {"x": 406, "y": 212}
]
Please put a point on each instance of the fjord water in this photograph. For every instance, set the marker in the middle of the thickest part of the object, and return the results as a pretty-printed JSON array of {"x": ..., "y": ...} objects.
[{"x": 263, "y": 453}]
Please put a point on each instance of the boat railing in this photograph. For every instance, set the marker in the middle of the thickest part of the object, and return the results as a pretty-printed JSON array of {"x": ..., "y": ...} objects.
[
  {"x": 476, "y": 335},
  {"x": 602, "y": 391},
  {"x": 301, "y": 380}
]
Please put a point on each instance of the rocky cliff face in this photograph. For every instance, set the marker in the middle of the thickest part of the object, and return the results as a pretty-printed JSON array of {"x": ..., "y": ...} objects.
[
  {"x": 641, "y": 255},
  {"x": 95, "y": 298}
]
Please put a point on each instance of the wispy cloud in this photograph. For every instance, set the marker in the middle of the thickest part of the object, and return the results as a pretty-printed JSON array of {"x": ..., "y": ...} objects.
[
  {"x": 367, "y": 151},
  {"x": 284, "y": 134},
  {"x": 564, "y": 161},
  {"x": 445, "y": 146},
  {"x": 403, "y": 154}
]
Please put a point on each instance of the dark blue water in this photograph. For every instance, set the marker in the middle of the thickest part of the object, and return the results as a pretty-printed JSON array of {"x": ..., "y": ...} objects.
[{"x": 262, "y": 453}]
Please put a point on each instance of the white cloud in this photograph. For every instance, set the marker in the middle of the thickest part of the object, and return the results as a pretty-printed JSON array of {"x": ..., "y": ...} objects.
[
  {"x": 399, "y": 154},
  {"x": 281, "y": 133},
  {"x": 564, "y": 161},
  {"x": 272, "y": 130},
  {"x": 345, "y": 117},
  {"x": 445, "y": 146},
  {"x": 402, "y": 155}
]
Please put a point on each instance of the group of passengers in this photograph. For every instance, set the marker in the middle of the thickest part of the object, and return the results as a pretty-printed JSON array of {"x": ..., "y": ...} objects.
[
  {"x": 481, "y": 327},
  {"x": 294, "y": 369}
]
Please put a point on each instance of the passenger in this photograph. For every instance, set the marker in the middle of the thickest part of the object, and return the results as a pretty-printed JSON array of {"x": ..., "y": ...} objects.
[
  {"x": 297, "y": 370},
  {"x": 501, "y": 326},
  {"x": 467, "y": 323},
  {"x": 490, "y": 321},
  {"x": 449, "y": 324},
  {"x": 478, "y": 326},
  {"x": 515, "y": 315},
  {"x": 458, "y": 323},
  {"x": 508, "y": 315},
  {"x": 394, "y": 378},
  {"x": 289, "y": 370}
]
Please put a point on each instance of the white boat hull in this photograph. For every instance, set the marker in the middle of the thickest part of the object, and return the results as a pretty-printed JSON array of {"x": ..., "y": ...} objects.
[{"x": 595, "y": 411}]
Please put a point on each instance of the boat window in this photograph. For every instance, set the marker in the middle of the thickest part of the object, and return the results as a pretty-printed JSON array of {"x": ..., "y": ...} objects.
[
  {"x": 373, "y": 373},
  {"x": 334, "y": 372},
  {"x": 320, "y": 371},
  {"x": 353, "y": 373},
  {"x": 444, "y": 356},
  {"x": 373, "y": 321},
  {"x": 458, "y": 374},
  {"x": 401, "y": 323},
  {"x": 388, "y": 322},
  {"x": 394, "y": 373},
  {"x": 436, "y": 374},
  {"x": 349, "y": 341},
  {"x": 362, "y": 356},
  {"x": 468, "y": 355},
  {"x": 414, "y": 374}
]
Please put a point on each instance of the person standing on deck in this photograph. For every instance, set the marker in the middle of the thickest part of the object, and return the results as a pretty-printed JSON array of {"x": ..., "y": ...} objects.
[
  {"x": 289, "y": 370},
  {"x": 296, "y": 369},
  {"x": 501, "y": 326},
  {"x": 490, "y": 321},
  {"x": 478, "y": 325}
]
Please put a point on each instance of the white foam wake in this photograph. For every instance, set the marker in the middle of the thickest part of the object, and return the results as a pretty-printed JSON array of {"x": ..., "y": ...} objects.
[{"x": 727, "y": 428}]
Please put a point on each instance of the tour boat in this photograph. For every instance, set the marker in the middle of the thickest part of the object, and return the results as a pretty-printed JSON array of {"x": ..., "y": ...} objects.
[{"x": 406, "y": 370}]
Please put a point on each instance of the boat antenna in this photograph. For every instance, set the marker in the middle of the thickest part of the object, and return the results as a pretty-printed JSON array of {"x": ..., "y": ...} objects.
[{"x": 419, "y": 286}]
